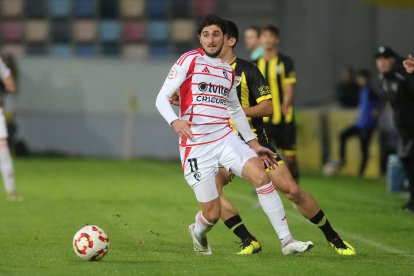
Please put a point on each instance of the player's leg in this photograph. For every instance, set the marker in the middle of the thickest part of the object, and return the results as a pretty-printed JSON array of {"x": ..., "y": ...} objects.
[
  {"x": 231, "y": 218},
  {"x": 306, "y": 204},
  {"x": 250, "y": 167},
  {"x": 287, "y": 144},
  {"x": 6, "y": 162},
  {"x": 209, "y": 202},
  {"x": 408, "y": 163},
  {"x": 343, "y": 138},
  {"x": 364, "y": 138},
  {"x": 199, "y": 172}
]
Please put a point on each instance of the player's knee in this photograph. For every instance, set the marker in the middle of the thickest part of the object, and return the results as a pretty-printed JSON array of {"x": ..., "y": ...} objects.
[
  {"x": 212, "y": 214},
  {"x": 262, "y": 178},
  {"x": 294, "y": 193}
]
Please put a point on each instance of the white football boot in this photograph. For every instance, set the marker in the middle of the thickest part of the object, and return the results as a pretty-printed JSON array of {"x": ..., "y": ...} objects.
[
  {"x": 294, "y": 247},
  {"x": 201, "y": 245}
]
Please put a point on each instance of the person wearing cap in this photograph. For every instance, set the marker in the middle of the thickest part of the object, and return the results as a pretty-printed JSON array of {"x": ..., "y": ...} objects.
[{"x": 396, "y": 86}]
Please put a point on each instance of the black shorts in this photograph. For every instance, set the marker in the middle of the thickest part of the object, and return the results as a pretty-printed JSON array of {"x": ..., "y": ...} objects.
[
  {"x": 283, "y": 136},
  {"x": 264, "y": 141}
]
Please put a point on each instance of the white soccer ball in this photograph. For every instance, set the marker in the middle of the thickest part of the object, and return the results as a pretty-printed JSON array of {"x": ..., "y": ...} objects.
[
  {"x": 91, "y": 243},
  {"x": 330, "y": 168}
]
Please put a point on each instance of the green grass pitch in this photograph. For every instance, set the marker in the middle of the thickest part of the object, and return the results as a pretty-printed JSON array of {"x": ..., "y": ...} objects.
[{"x": 145, "y": 207}]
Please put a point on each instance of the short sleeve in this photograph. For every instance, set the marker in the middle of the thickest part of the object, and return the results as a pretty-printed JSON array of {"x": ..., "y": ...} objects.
[
  {"x": 257, "y": 84},
  {"x": 4, "y": 70},
  {"x": 290, "y": 73}
]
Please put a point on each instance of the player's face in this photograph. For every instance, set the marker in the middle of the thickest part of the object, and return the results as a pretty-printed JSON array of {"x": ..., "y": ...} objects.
[
  {"x": 269, "y": 40},
  {"x": 211, "y": 40},
  {"x": 251, "y": 39},
  {"x": 385, "y": 65}
]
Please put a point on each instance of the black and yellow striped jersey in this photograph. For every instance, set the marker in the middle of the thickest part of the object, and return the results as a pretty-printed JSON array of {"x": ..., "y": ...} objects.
[
  {"x": 252, "y": 88},
  {"x": 278, "y": 71}
]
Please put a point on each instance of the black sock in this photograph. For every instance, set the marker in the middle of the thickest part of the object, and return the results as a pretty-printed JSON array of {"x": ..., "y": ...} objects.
[
  {"x": 322, "y": 222},
  {"x": 236, "y": 225}
]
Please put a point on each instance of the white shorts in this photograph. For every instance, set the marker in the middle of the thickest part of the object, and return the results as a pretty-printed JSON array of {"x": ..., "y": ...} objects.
[
  {"x": 3, "y": 127},
  {"x": 200, "y": 163}
]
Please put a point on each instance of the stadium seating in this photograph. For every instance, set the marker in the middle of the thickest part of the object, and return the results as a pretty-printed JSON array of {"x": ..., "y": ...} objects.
[
  {"x": 108, "y": 9},
  {"x": 133, "y": 31},
  {"x": 109, "y": 30},
  {"x": 44, "y": 26},
  {"x": 61, "y": 50},
  {"x": 183, "y": 30},
  {"x": 156, "y": 8},
  {"x": 11, "y": 31},
  {"x": 35, "y": 8},
  {"x": 36, "y": 30},
  {"x": 84, "y": 31},
  {"x": 86, "y": 50},
  {"x": 135, "y": 50},
  {"x": 84, "y": 8},
  {"x": 158, "y": 31},
  {"x": 11, "y": 8},
  {"x": 36, "y": 48},
  {"x": 61, "y": 31},
  {"x": 60, "y": 8}
]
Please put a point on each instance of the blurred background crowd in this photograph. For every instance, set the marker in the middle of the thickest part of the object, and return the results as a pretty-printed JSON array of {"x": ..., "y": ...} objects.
[{"x": 88, "y": 73}]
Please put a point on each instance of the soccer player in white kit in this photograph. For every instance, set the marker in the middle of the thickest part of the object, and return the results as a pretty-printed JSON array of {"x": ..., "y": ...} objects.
[
  {"x": 6, "y": 162},
  {"x": 208, "y": 99}
]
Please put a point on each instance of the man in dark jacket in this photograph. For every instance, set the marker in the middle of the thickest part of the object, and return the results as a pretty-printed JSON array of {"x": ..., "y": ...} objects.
[{"x": 397, "y": 87}]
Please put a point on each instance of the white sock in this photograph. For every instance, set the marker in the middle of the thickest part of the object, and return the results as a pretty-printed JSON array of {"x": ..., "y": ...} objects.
[
  {"x": 6, "y": 165},
  {"x": 273, "y": 207},
  {"x": 202, "y": 226}
]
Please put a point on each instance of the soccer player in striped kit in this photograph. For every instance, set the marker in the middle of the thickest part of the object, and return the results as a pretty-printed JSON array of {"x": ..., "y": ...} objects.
[{"x": 208, "y": 99}]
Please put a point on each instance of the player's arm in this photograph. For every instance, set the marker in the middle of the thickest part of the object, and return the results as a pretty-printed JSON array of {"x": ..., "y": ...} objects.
[
  {"x": 288, "y": 85},
  {"x": 7, "y": 78},
  {"x": 259, "y": 89},
  {"x": 174, "y": 80},
  {"x": 288, "y": 92}
]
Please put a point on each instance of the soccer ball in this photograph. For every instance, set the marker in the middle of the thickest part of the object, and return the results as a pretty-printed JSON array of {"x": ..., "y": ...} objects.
[
  {"x": 330, "y": 168},
  {"x": 91, "y": 243}
]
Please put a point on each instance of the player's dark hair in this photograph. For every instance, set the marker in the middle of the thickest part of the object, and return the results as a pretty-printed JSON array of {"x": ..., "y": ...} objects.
[
  {"x": 254, "y": 28},
  {"x": 232, "y": 31},
  {"x": 272, "y": 29},
  {"x": 212, "y": 20},
  {"x": 364, "y": 73}
]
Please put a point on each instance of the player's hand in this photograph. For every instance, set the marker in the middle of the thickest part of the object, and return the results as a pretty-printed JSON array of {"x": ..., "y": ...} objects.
[
  {"x": 409, "y": 64},
  {"x": 285, "y": 108},
  {"x": 268, "y": 157},
  {"x": 175, "y": 99},
  {"x": 183, "y": 128},
  {"x": 264, "y": 153}
]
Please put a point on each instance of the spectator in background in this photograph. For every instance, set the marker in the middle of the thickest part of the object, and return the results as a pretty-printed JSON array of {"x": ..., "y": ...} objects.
[
  {"x": 409, "y": 64},
  {"x": 6, "y": 102},
  {"x": 366, "y": 122},
  {"x": 6, "y": 162},
  {"x": 252, "y": 42},
  {"x": 347, "y": 89},
  {"x": 397, "y": 87}
]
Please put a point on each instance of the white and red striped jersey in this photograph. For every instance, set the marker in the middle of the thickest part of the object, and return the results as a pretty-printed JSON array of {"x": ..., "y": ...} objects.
[{"x": 207, "y": 96}]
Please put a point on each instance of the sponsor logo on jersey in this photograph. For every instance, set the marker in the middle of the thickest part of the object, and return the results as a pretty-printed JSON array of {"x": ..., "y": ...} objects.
[
  {"x": 205, "y": 70},
  {"x": 216, "y": 89},
  {"x": 202, "y": 86},
  {"x": 238, "y": 80},
  {"x": 225, "y": 74},
  {"x": 173, "y": 73},
  {"x": 264, "y": 90},
  {"x": 197, "y": 175}
]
